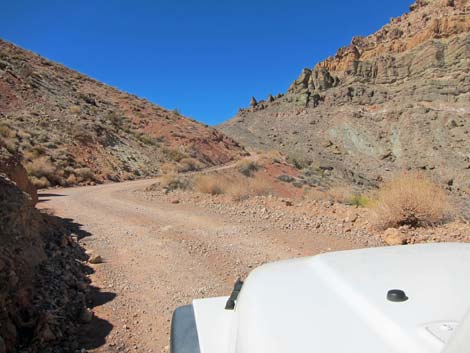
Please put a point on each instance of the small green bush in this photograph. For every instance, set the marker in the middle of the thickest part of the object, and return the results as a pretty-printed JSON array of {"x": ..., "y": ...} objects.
[
  {"x": 285, "y": 178},
  {"x": 359, "y": 201}
]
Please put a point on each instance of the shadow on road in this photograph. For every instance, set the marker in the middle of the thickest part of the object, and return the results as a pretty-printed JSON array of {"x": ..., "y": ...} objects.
[
  {"x": 92, "y": 334},
  {"x": 44, "y": 197}
]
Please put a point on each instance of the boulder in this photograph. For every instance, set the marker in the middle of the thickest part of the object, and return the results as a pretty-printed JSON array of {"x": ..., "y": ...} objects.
[
  {"x": 393, "y": 236},
  {"x": 96, "y": 259}
]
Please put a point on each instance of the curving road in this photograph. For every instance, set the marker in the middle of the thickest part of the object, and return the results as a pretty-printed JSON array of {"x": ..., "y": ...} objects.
[{"x": 159, "y": 255}]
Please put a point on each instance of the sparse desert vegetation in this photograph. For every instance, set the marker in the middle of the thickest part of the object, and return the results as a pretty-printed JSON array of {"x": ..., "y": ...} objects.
[
  {"x": 173, "y": 181},
  {"x": 238, "y": 188},
  {"x": 319, "y": 175},
  {"x": 189, "y": 165},
  {"x": 247, "y": 167},
  {"x": 86, "y": 124}
]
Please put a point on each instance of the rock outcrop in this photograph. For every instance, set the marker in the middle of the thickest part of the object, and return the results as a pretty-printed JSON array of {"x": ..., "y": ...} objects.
[
  {"x": 43, "y": 286},
  {"x": 397, "y": 99},
  {"x": 10, "y": 165}
]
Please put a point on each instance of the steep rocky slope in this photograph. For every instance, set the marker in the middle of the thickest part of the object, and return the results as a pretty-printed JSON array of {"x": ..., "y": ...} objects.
[
  {"x": 43, "y": 287},
  {"x": 397, "y": 99},
  {"x": 72, "y": 129}
]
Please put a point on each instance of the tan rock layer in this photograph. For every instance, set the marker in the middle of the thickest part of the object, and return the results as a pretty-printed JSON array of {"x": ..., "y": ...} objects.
[{"x": 404, "y": 33}]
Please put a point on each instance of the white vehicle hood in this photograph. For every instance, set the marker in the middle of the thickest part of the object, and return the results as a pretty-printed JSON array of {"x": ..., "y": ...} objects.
[{"x": 337, "y": 302}]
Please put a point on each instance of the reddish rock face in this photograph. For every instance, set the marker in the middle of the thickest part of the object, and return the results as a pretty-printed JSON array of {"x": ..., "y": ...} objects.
[{"x": 10, "y": 165}]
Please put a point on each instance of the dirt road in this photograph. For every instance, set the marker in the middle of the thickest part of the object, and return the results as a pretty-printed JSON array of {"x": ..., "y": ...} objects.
[{"x": 159, "y": 255}]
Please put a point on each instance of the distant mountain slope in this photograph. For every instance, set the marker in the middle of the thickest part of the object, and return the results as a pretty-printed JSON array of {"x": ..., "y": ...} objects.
[
  {"x": 72, "y": 129},
  {"x": 397, "y": 99}
]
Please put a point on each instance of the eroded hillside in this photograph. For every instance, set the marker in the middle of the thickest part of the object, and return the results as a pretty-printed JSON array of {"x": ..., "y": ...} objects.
[
  {"x": 72, "y": 129},
  {"x": 397, "y": 99}
]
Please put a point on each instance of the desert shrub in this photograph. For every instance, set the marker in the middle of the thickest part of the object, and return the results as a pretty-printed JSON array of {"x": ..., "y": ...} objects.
[
  {"x": 174, "y": 154},
  {"x": 411, "y": 199},
  {"x": 71, "y": 180},
  {"x": 168, "y": 168},
  {"x": 247, "y": 167},
  {"x": 148, "y": 140},
  {"x": 23, "y": 134},
  {"x": 38, "y": 151},
  {"x": 83, "y": 135},
  {"x": 285, "y": 178},
  {"x": 84, "y": 174},
  {"x": 259, "y": 187},
  {"x": 40, "y": 183},
  {"x": 75, "y": 109},
  {"x": 178, "y": 134},
  {"x": 359, "y": 200},
  {"x": 242, "y": 189},
  {"x": 41, "y": 167},
  {"x": 299, "y": 161},
  {"x": 238, "y": 188},
  {"x": 6, "y": 131},
  {"x": 171, "y": 182},
  {"x": 189, "y": 164},
  {"x": 116, "y": 120},
  {"x": 10, "y": 145},
  {"x": 211, "y": 184}
]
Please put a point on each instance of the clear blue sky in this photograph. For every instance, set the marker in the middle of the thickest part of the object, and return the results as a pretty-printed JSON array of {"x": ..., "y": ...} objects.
[{"x": 204, "y": 57}]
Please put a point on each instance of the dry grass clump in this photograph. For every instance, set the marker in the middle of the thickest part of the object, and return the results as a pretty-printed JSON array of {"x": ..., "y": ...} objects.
[
  {"x": 6, "y": 131},
  {"x": 411, "y": 199},
  {"x": 41, "y": 167},
  {"x": 168, "y": 168},
  {"x": 247, "y": 167},
  {"x": 189, "y": 165},
  {"x": 242, "y": 189},
  {"x": 214, "y": 184},
  {"x": 238, "y": 188},
  {"x": 42, "y": 172},
  {"x": 174, "y": 154},
  {"x": 71, "y": 180},
  {"x": 171, "y": 182},
  {"x": 84, "y": 174},
  {"x": 40, "y": 183},
  {"x": 75, "y": 109},
  {"x": 8, "y": 137},
  {"x": 10, "y": 145}
]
